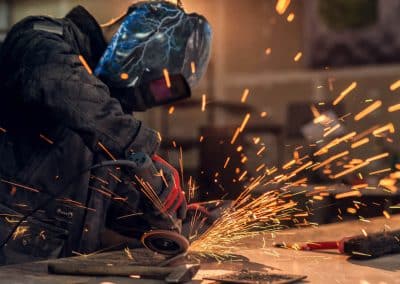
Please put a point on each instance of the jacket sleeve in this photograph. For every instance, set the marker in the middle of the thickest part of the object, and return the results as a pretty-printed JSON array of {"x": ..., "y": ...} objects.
[{"x": 56, "y": 78}]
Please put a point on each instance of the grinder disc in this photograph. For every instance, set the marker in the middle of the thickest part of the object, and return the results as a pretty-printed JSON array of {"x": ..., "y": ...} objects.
[{"x": 165, "y": 242}]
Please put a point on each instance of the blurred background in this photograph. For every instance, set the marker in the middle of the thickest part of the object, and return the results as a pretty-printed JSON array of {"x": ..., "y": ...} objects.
[{"x": 276, "y": 67}]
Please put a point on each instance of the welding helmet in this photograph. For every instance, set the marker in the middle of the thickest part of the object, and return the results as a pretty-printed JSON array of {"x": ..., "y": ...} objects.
[{"x": 157, "y": 54}]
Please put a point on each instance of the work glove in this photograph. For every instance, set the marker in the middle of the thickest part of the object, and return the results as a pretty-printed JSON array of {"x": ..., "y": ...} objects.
[
  {"x": 160, "y": 183},
  {"x": 172, "y": 196}
]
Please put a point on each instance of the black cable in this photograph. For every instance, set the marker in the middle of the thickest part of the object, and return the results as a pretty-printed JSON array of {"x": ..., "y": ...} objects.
[{"x": 115, "y": 163}]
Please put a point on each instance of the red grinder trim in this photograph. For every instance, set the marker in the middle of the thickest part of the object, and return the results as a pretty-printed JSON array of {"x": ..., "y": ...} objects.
[{"x": 165, "y": 242}]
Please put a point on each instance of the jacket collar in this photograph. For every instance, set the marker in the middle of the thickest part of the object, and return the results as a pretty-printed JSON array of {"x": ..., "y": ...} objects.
[{"x": 88, "y": 25}]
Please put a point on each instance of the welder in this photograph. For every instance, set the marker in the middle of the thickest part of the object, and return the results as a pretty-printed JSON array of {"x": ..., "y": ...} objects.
[{"x": 68, "y": 88}]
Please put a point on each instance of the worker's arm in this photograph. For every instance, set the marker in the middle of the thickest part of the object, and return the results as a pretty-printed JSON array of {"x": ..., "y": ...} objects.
[{"x": 55, "y": 78}]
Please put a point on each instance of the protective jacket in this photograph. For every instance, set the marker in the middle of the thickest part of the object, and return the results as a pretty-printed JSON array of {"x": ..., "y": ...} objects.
[{"x": 57, "y": 120}]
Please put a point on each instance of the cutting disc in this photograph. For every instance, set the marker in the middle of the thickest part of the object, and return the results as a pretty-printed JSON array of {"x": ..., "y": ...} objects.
[{"x": 165, "y": 242}]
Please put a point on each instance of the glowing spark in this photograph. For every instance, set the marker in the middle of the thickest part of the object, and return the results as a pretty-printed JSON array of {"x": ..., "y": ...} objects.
[
  {"x": 203, "y": 103},
  {"x": 389, "y": 183},
  {"x": 359, "y": 186},
  {"x": 227, "y": 162},
  {"x": 348, "y": 194},
  {"x": 201, "y": 138},
  {"x": 315, "y": 112},
  {"x": 239, "y": 149},
  {"x": 374, "y": 106},
  {"x": 166, "y": 77},
  {"x": 260, "y": 167},
  {"x": 378, "y": 157},
  {"x": 386, "y": 214},
  {"x": 351, "y": 210},
  {"x": 334, "y": 143},
  {"x": 281, "y": 6},
  {"x": 242, "y": 175},
  {"x": 129, "y": 215},
  {"x": 360, "y": 253},
  {"x": 124, "y": 76},
  {"x": 394, "y": 108},
  {"x": 268, "y": 51},
  {"x": 298, "y": 170},
  {"x": 181, "y": 163},
  {"x": 395, "y": 86},
  {"x": 388, "y": 127},
  {"x": 288, "y": 165},
  {"x": 244, "y": 123},
  {"x": 333, "y": 129},
  {"x": 193, "y": 67},
  {"x": 171, "y": 110},
  {"x": 245, "y": 95},
  {"x": 322, "y": 119},
  {"x": 85, "y": 64},
  {"x": 20, "y": 231},
  {"x": 3, "y": 130},
  {"x": 46, "y": 139},
  {"x": 380, "y": 171},
  {"x": 290, "y": 17},
  {"x": 330, "y": 160},
  {"x": 235, "y": 135},
  {"x": 261, "y": 150},
  {"x": 345, "y": 172},
  {"x": 20, "y": 185},
  {"x": 364, "y": 232},
  {"x": 298, "y": 56},
  {"x": 360, "y": 143},
  {"x": 247, "y": 217},
  {"x": 345, "y": 93},
  {"x": 264, "y": 114},
  {"x": 106, "y": 151}
]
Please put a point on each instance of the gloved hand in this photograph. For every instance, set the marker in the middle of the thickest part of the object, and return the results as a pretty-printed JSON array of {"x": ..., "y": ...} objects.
[
  {"x": 160, "y": 183},
  {"x": 172, "y": 196}
]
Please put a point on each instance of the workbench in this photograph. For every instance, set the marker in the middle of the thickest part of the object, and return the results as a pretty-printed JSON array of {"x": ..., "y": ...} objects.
[{"x": 320, "y": 267}]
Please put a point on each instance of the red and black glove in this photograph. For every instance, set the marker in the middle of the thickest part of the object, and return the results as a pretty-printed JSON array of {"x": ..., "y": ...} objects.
[{"x": 172, "y": 196}]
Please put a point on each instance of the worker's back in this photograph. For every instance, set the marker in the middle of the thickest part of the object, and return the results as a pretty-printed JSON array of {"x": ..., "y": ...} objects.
[{"x": 43, "y": 161}]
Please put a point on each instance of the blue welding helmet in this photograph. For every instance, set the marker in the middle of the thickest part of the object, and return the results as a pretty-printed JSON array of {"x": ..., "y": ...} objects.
[{"x": 156, "y": 38}]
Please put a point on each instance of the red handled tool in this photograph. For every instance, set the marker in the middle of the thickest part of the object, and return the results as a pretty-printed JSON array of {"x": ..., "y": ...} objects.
[{"x": 359, "y": 247}]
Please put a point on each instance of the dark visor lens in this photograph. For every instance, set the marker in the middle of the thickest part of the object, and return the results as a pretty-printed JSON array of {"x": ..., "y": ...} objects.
[{"x": 162, "y": 94}]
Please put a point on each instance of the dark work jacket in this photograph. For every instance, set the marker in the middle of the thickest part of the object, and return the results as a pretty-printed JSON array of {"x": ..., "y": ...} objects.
[{"x": 56, "y": 120}]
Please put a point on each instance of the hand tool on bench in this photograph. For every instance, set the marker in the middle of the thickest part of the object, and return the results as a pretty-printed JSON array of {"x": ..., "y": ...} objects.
[
  {"x": 358, "y": 247},
  {"x": 174, "y": 274}
]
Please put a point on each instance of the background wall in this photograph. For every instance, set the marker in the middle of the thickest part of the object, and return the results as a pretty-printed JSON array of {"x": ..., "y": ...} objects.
[{"x": 254, "y": 47}]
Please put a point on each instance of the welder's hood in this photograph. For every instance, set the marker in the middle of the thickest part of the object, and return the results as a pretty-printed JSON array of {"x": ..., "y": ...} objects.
[{"x": 156, "y": 35}]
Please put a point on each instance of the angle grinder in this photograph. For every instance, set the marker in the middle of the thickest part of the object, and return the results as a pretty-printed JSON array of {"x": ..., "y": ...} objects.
[{"x": 167, "y": 242}]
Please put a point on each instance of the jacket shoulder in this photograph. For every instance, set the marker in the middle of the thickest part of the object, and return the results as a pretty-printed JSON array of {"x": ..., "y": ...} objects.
[
  {"x": 34, "y": 39},
  {"x": 37, "y": 26}
]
